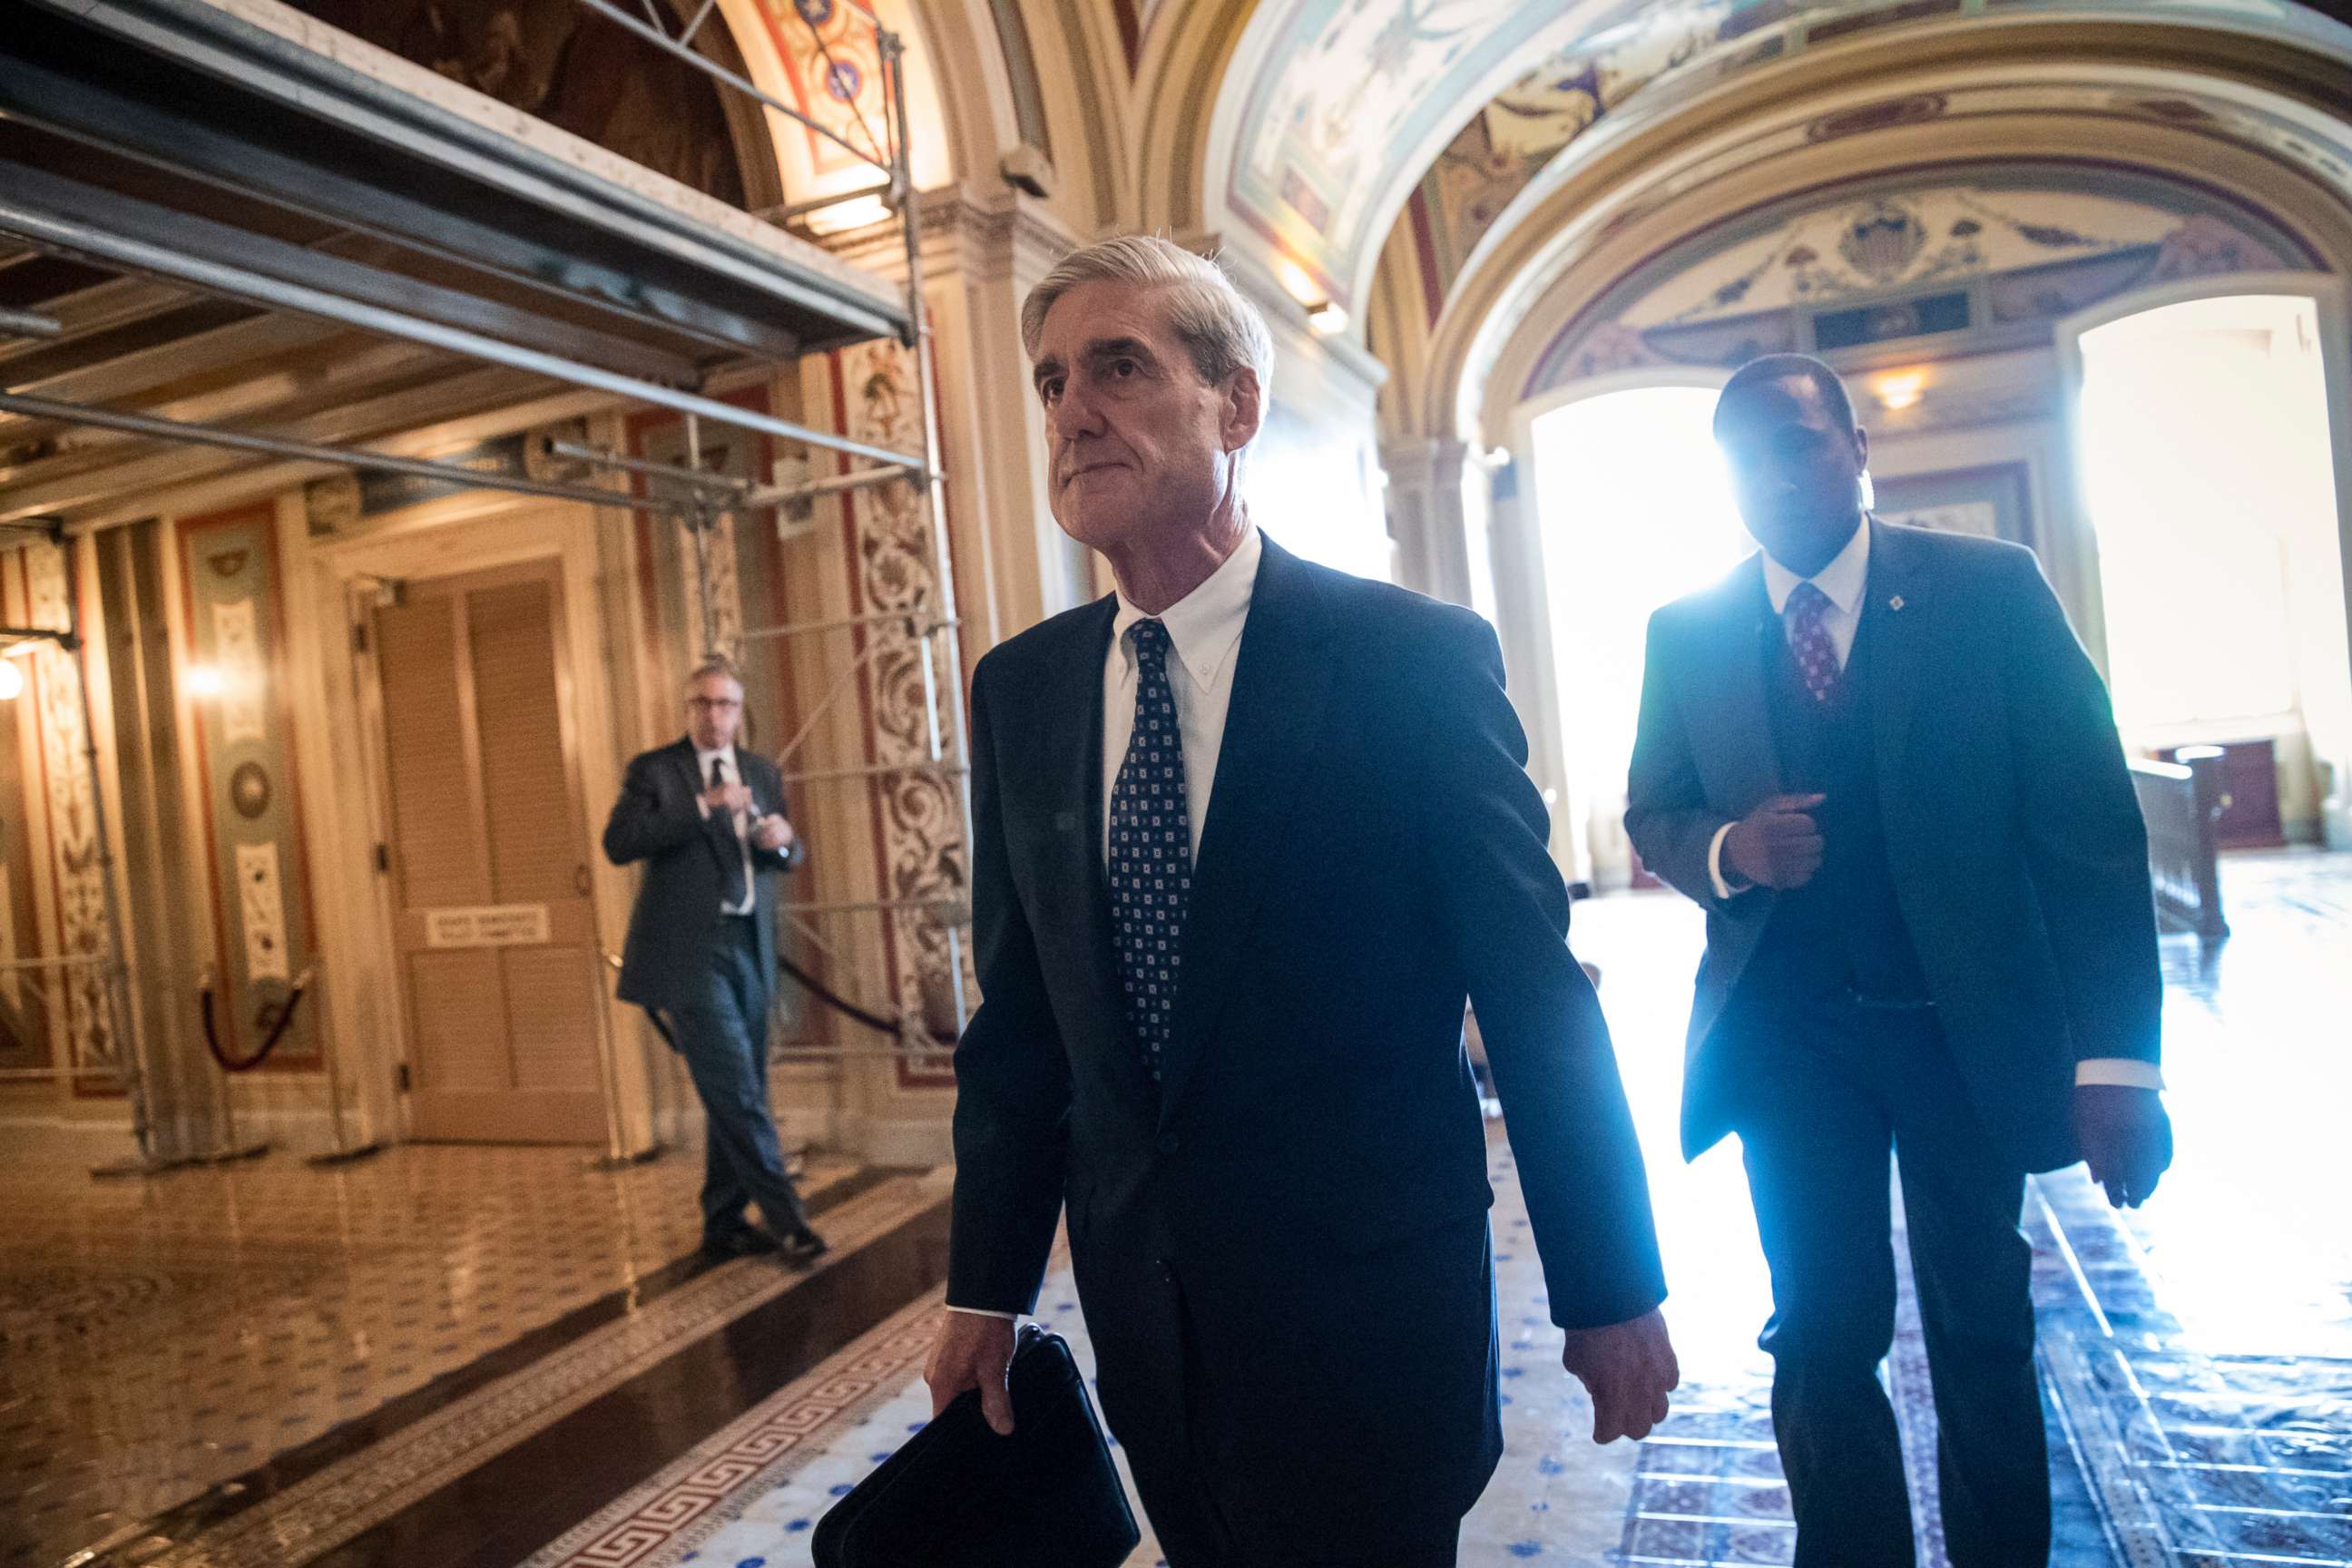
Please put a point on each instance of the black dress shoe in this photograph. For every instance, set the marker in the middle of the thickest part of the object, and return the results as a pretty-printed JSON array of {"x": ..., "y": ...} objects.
[
  {"x": 804, "y": 1246},
  {"x": 746, "y": 1241}
]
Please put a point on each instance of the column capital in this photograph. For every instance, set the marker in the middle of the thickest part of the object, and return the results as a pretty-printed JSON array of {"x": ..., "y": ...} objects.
[{"x": 1425, "y": 463}]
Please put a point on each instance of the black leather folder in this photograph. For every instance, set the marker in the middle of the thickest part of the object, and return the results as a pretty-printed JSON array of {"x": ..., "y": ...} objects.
[{"x": 959, "y": 1496}]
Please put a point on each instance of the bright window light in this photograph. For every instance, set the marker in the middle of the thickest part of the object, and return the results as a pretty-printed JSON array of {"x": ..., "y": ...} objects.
[
  {"x": 2204, "y": 453},
  {"x": 1635, "y": 509}
]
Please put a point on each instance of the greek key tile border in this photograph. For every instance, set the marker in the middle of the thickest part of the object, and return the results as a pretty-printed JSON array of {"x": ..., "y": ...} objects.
[
  {"x": 684, "y": 1505},
  {"x": 318, "y": 1514}
]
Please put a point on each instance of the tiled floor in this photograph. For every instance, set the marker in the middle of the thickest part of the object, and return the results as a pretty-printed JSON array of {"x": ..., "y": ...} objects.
[
  {"x": 157, "y": 1337},
  {"x": 2197, "y": 1353}
]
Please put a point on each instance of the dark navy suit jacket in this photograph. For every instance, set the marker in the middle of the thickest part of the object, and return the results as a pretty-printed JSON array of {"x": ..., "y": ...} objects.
[
  {"x": 1282, "y": 1251},
  {"x": 667, "y": 961}
]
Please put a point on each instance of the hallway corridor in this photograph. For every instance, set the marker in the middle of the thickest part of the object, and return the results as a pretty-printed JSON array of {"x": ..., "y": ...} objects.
[
  {"x": 351, "y": 1345},
  {"x": 2197, "y": 1353}
]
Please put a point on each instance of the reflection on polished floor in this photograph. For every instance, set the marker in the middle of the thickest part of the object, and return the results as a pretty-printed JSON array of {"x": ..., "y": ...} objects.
[
  {"x": 2198, "y": 1377},
  {"x": 543, "y": 1383},
  {"x": 184, "y": 1346}
]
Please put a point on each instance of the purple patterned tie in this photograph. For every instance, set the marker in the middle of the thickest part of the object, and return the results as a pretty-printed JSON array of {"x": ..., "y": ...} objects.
[{"x": 1817, "y": 658}]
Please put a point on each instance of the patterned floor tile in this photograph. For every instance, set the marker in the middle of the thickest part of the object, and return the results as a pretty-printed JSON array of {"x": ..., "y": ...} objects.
[{"x": 159, "y": 1338}]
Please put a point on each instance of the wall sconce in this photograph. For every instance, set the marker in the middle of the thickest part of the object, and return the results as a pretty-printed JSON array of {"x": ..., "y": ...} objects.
[
  {"x": 1296, "y": 283},
  {"x": 1328, "y": 319},
  {"x": 1900, "y": 390},
  {"x": 202, "y": 680},
  {"x": 12, "y": 681}
]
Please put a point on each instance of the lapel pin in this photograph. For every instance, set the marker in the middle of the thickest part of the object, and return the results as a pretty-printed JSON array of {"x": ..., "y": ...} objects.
[{"x": 1895, "y": 602}]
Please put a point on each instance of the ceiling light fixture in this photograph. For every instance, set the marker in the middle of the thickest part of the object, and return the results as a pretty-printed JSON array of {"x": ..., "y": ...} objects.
[{"x": 1899, "y": 390}]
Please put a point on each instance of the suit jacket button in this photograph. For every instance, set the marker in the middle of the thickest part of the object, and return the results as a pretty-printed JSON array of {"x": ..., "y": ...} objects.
[{"x": 1170, "y": 1143}]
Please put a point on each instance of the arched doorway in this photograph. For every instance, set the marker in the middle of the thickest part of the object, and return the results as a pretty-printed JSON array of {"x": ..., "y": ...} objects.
[
  {"x": 2212, "y": 479},
  {"x": 1632, "y": 510}
]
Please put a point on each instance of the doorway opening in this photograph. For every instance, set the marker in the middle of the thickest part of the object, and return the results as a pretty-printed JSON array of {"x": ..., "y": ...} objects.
[
  {"x": 2210, "y": 474},
  {"x": 1634, "y": 508},
  {"x": 494, "y": 929}
]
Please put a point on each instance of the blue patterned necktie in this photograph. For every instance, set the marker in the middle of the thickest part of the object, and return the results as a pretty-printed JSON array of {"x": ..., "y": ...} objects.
[{"x": 1151, "y": 851}]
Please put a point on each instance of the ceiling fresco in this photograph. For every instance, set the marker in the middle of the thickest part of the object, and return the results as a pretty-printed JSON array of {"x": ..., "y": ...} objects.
[
  {"x": 1346, "y": 98},
  {"x": 1987, "y": 265}
]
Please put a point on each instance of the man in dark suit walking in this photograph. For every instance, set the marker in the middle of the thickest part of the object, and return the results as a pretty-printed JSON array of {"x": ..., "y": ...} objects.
[
  {"x": 1880, "y": 759},
  {"x": 707, "y": 817},
  {"x": 1246, "y": 833}
]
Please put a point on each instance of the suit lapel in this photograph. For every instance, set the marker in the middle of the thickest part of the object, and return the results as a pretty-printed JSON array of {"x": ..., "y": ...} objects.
[
  {"x": 1727, "y": 700},
  {"x": 1894, "y": 613},
  {"x": 1281, "y": 683},
  {"x": 714, "y": 830},
  {"x": 1071, "y": 763}
]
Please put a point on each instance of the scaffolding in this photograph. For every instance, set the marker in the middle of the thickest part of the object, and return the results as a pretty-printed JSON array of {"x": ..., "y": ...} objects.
[{"x": 127, "y": 237}]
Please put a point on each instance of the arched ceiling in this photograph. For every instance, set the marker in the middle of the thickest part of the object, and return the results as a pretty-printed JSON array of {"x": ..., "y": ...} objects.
[
  {"x": 1588, "y": 223},
  {"x": 1331, "y": 113}
]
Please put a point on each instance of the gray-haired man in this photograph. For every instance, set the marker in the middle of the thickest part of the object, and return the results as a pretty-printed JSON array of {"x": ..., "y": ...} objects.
[
  {"x": 707, "y": 816},
  {"x": 1247, "y": 831}
]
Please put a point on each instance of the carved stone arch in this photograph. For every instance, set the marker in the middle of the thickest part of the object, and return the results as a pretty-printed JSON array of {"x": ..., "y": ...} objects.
[
  {"x": 980, "y": 104},
  {"x": 1083, "y": 87},
  {"x": 1187, "y": 58},
  {"x": 2092, "y": 91}
]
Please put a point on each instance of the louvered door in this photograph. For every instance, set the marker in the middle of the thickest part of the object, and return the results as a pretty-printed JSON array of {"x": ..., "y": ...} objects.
[{"x": 497, "y": 953}]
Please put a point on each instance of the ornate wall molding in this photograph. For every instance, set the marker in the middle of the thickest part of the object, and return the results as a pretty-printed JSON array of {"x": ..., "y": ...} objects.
[
  {"x": 921, "y": 845},
  {"x": 82, "y": 1029}
]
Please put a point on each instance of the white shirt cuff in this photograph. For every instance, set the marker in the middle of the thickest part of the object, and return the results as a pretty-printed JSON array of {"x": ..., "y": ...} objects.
[
  {"x": 983, "y": 1312},
  {"x": 1723, "y": 890},
  {"x": 2121, "y": 1073}
]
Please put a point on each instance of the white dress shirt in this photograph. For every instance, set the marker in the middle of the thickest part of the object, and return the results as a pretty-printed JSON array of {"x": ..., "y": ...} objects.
[
  {"x": 1205, "y": 628},
  {"x": 1842, "y": 583},
  {"x": 1204, "y": 632},
  {"x": 730, "y": 774}
]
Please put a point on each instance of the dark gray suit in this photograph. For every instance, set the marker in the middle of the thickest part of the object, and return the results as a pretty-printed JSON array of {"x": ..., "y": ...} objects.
[
  {"x": 711, "y": 974},
  {"x": 1282, "y": 1248},
  {"x": 1982, "y": 922}
]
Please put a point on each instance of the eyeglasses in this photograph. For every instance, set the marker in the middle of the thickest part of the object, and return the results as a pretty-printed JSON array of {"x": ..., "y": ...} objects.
[{"x": 717, "y": 704}]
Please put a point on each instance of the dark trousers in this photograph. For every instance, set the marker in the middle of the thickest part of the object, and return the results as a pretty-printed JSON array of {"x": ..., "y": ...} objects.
[
  {"x": 1827, "y": 1093},
  {"x": 723, "y": 1035},
  {"x": 1191, "y": 1534},
  {"x": 1178, "y": 1420}
]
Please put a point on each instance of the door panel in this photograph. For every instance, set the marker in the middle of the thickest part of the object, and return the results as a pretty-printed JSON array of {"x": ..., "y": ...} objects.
[
  {"x": 534, "y": 842},
  {"x": 495, "y": 934},
  {"x": 436, "y": 835}
]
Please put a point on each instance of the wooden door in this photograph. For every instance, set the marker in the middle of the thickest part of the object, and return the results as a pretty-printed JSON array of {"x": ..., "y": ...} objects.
[{"x": 493, "y": 926}]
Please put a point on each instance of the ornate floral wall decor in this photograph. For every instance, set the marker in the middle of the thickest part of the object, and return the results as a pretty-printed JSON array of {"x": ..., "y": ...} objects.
[
  {"x": 921, "y": 846},
  {"x": 738, "y": 454},
  {"x": 82, "y": 1029},
  {"x": 253, "y": 832}
]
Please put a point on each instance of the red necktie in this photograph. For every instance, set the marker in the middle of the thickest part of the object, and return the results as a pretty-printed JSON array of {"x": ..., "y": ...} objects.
[{"x": 1809, "y": 639}]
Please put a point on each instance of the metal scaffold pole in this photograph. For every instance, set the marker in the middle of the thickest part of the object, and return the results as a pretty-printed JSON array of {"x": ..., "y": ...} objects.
[
  {"x": 930, "y": 921},
  {"x": 894, "y": 52}
]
